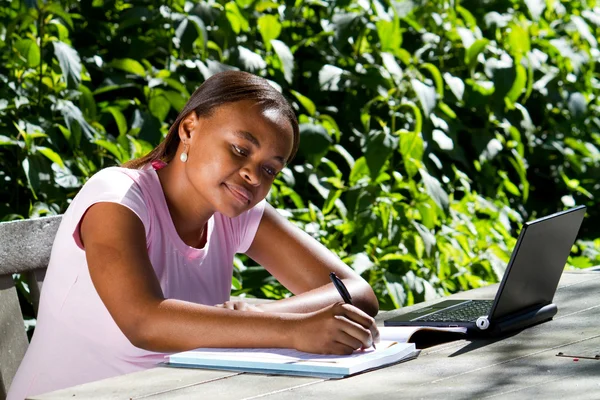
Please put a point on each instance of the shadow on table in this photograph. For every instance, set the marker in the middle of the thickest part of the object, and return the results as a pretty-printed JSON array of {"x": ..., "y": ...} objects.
[{"x": 480, "y": 342}]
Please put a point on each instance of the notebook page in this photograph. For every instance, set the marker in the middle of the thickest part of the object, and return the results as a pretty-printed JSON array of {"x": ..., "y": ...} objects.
[{"x": 279, "y": 355}]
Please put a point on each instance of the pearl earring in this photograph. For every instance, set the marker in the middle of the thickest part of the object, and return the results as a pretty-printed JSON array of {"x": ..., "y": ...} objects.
[{"x": 183, "y": 157}]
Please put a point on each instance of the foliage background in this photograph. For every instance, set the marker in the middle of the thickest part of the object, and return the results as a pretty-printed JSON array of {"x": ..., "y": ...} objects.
[{"x": 430, "y": 130}]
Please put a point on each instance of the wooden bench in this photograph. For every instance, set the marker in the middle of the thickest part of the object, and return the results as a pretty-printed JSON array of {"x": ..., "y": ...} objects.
[{"x": 25, "y": 247}]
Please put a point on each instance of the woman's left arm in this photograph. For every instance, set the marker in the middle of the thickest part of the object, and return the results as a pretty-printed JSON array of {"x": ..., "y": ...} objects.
[{"x": 302, "y": 265}]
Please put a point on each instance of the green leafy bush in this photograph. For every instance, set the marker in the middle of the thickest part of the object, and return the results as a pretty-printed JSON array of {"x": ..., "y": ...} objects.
[{"x": 430, "y": 130}]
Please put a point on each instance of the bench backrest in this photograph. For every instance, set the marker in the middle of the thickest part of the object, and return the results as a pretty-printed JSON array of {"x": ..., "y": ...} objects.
[{"x": 25, "y": 247}]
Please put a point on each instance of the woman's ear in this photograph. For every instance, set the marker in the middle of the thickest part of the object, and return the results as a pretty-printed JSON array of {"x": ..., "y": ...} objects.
[{"x": 187, "y": 126}]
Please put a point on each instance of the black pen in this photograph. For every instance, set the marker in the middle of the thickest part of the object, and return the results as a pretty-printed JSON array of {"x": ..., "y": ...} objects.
[{"x": 341, "y": 288}]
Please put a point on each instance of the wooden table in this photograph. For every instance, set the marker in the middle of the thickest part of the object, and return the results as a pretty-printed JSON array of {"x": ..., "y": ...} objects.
[{"x": 523, "y": 365}]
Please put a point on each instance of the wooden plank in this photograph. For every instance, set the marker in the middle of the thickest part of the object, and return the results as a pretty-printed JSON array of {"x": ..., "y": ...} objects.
[
  {"x": 139, "y": 384},
  {"x": 246, "y": 386},
  {"x": 13, "y": 343},
  {"x": 25, "y": 245}
]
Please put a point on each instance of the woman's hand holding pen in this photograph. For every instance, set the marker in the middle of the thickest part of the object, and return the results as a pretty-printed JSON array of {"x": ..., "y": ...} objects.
[{"x": 336, "y": 329}]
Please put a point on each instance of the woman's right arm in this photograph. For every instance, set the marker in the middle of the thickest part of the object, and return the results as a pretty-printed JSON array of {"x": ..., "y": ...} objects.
[{"x": 115, "y": 244}]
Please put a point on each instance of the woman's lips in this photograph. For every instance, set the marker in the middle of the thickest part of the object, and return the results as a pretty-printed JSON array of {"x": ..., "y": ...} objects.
[{"x": 240, "y": 193}]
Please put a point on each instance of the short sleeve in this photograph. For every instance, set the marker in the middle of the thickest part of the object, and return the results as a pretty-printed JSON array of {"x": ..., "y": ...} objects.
[
  {"x": 110, "y": 185},
  {"x": 246, "y": 225}
]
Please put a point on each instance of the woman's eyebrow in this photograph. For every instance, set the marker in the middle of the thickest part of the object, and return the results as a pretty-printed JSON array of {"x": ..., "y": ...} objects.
[
  {"x": 249, "y": 137},
  {"x": 252, "y": 139}
]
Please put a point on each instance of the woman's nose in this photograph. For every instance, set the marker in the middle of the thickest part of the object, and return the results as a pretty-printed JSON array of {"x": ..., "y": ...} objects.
[{"x": 251, "y": 175}]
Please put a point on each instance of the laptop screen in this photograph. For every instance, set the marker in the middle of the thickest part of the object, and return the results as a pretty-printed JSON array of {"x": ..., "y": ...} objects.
[{"x": 537, "y": 262}]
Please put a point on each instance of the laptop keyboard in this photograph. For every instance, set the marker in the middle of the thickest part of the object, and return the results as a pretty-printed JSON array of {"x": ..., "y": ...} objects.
[{"x": 464, "y": 313}]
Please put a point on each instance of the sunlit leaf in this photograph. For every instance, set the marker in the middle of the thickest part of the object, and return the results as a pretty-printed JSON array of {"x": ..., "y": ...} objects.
[
  {"x": 518, "y": 41},
  {"x": 51, "y": 155},
  {"x": 69, "y": 62},
  {"x": 473, "y": 52},
  {"x": 238, "y": 22},
  {"x": 305, "y": 101},
  {"x": 584, "y": 30},
  {"x": 269, "y": 28},
  {"x": 390, "y": 36},
  {"x": 286, "y": 57},
  {"x": 389, "y": 61},
  {"x": 29, "y": 51},
  {"x": 250, "y": 60},
  {"x": 330, "y": 77},
  {"x": 518, "y": 85},
  {"x": 411, "y": 148},
  {"x": 426, "y": 95},
  {"x": 434, "y": 190},
  {"x": 129, "y": 65}
]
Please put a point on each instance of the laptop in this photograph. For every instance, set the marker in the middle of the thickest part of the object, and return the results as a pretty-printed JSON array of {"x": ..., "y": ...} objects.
[{"x": 525, "y": 294}]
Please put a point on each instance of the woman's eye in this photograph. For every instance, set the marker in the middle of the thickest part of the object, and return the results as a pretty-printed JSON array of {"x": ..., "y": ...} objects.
[
  {"x": 270, "y": 171},
  {"x": 240, "y": 150}
]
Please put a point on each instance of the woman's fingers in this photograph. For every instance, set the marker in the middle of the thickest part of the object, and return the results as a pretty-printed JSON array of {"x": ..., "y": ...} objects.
[{"x": 365, "y": 321}]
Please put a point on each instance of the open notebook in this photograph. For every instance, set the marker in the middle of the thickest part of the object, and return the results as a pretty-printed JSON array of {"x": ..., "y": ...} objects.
[{"x": 393, "y": 348}]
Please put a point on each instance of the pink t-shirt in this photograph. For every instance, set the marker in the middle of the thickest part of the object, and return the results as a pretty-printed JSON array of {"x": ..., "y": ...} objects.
[{"x": 76, "y": 340}]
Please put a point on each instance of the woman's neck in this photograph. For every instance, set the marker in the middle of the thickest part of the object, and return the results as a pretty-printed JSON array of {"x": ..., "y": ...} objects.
[{"x": 188, "y": 214}]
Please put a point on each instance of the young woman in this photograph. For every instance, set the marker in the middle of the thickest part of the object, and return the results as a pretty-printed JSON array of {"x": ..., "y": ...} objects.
[{"x": 142, "y": 262}]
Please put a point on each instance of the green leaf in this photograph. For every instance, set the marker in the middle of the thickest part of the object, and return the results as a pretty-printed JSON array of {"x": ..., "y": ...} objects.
[
  {"x": 361, "y": 263},
  {"x": 74, "y": 120},
  {"x": 269, "y": 28},
  {"x": 159, "y": 104},
  {"x": 518, "y": 85},
  {"x": 434, "y": 190},
  {"x": 428, "y": 237},
  {"x": 114, "y": 149},
  {"x": 129, "y": 65},
  {"x": 359, "y": 171},
  {"x": 119, "y": 119},
  {"x": 6, "y": 141},
  {"x": 426, "y": 95},
  {"x": 518, "y": 42},
  {"x": 29, "y": 51},
  {"x": 390, "y": 36},
  {"x": 584, "y": 30},
  {"x": 147, "y": 126},
  {"x": 390, "y": 64},
  {"x": 51, "y": 155},
  {"x": 577, "y": 105},
  {"x": 411, "y": 148},
  {"x": 314, "y": 142},
  {"x": 437, "y": 78},
  {"x": 306, "y": 102},
  {"x": 69, "y": 62},
  {"x": 87, "y": 104},
  {"x": 380, "y": 147},
  {"x": 286, "y": 57},
  {"x": 330, "y": 77},
  {"x": 236, "y": 19},
  {"x": 200, "y": 29},
  {"x": 56, "y": 9},
  {"x": 36, "y": 172},
  {"x": 250, "y": 60},
  {"x": 176, "y": 99},
  {"x": 473, "y": 51}
]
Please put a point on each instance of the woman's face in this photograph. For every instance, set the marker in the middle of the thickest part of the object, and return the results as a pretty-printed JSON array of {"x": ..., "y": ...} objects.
[{"x": 235, "y": 153}]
